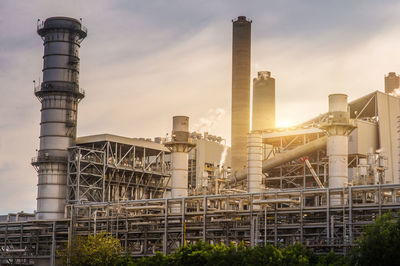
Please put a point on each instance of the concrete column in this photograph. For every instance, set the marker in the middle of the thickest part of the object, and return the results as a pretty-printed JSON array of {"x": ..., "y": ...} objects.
[{"x": 179, "y": 173}]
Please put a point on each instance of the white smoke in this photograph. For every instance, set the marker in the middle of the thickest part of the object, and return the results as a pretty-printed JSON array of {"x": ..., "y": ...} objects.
[
  {"x": 207, "y": 123},
  {"x": 395, "y": 92},
  {"x": 223, "y": 158}
]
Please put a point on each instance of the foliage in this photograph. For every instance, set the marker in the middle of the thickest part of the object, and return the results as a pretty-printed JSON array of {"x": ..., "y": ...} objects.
[
  {"x": 101, "y": 249},
  {"x": 379, "y": 243},
  {"x": 235, "y": 255}
]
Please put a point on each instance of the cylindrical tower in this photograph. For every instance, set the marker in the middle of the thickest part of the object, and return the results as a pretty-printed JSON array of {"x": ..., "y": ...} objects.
[
  {"x": 59, "y": 94},
  {"x": 179, "y": 147},
  {"x": 338, "y": 126},
  {"x": 240, "y": 123},
  {"x": 254, "y": 161},
  {"x": 263, "y": 115},
  {"x": 392, "y": 82}
]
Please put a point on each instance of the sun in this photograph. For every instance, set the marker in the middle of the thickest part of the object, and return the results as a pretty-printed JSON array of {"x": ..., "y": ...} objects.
[{"x": 284, "y": 123}]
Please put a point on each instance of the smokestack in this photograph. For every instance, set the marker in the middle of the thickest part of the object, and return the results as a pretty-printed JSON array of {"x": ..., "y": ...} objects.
[
  {"x": 392, "y": 82},
  {"x": 263, "y": 101},
  {"x": 338, "y": 126},
  {"x": 179, "y": 147},
  {"x": 240, "y": 123},
  {"x": 59, "y": 94}
]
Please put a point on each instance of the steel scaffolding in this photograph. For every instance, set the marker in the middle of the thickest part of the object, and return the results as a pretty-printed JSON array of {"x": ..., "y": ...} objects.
[
  {"x": 113, "y": 171},
  {"x": 147, "y": 226}
]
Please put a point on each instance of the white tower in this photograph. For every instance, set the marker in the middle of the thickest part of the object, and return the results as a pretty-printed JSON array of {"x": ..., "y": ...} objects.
[{"x": 59, "y": 94}]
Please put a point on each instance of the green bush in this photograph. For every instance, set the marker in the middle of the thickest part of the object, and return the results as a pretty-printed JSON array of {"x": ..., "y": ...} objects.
[
  {"x": 101, "y": 249},
  {"x": 379, "y": 243}
]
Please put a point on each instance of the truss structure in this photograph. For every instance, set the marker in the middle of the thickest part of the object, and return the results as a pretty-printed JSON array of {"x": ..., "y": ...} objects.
[
  {"x": 296, "y": 173},
  {"x": 113, "y": 171}
]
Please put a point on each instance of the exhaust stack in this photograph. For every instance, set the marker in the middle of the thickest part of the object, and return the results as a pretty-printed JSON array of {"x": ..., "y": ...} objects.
[
  {"x": 59, "y": 94},
  {"x": 338, "y": 126},
  {"x": 240, "y": 123},
  {"x": 179, "y": 147}
]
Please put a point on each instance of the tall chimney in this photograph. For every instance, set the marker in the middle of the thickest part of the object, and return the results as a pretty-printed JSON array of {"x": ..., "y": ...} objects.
[
  {"x": 59, "y": 94},
  {"x": 263, "y": 115},
  {"x": 392, "y": 82},
  {"x": 240, "y": 123}
]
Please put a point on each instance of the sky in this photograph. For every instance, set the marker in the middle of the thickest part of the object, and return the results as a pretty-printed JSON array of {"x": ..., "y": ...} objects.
[{"x": 146, "y": 61}]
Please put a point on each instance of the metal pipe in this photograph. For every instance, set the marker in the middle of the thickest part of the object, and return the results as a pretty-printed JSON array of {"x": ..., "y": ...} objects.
[{"x": 284, "y": 157}]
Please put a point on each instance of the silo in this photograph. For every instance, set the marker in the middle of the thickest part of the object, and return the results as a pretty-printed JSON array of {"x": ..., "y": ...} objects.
[
  {"x": 263, "y": 115},
  {"x": 59, "y": 94},
  {"x": 240, "y": 123}
]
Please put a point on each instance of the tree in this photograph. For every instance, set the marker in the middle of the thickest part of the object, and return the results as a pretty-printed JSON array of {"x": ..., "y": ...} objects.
[
  {"x": 101, "y": 249},
  {"x": 379, "y": 243}
]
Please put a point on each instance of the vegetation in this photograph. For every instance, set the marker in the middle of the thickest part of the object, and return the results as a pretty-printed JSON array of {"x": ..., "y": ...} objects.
[
  {"x": 379, "y": 245},
  {"x": 101, "y": 249}
]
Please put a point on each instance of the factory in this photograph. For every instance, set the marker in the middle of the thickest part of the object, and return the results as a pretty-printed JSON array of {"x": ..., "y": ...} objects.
[{"x": 317, "y": 183}]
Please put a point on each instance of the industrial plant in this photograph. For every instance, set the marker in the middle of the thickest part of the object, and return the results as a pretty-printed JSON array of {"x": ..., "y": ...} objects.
[{"x": 317, "y": 183}]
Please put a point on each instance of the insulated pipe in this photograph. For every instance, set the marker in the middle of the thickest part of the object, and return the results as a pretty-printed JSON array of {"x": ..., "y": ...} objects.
[
  {"x": 284, "y": 157},
  {"x": 254, "y": 162}
]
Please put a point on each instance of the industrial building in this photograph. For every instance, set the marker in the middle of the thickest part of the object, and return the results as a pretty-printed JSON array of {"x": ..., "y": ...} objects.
[
  {"x": 208, "y": 161},
  {"x": 317, "y": 183}
]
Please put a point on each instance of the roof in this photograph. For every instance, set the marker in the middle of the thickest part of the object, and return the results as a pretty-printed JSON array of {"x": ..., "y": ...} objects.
[{"x": 120, "y": 139}]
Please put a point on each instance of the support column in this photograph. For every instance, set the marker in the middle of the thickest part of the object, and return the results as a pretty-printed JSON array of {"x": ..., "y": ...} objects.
[
  {"x": 338, "y": 126},
  {"x": 180, "y": 145},
  {"x": 254, "y": 161}
]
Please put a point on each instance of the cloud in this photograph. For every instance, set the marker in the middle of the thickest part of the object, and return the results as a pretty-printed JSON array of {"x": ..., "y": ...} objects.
[{"x": 144, "y": 62}]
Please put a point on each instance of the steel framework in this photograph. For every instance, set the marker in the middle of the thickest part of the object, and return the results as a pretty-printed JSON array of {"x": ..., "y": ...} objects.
[
  {"x": 110, "y": 171},
  {"x": 147, "y": 226}
]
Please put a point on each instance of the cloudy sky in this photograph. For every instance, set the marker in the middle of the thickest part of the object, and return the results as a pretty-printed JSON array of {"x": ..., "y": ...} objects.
[{"x": 145, "y": 61}]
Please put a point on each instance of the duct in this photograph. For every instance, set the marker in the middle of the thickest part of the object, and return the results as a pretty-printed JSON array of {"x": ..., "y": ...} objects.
[{"x": 284, "y": 157}]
